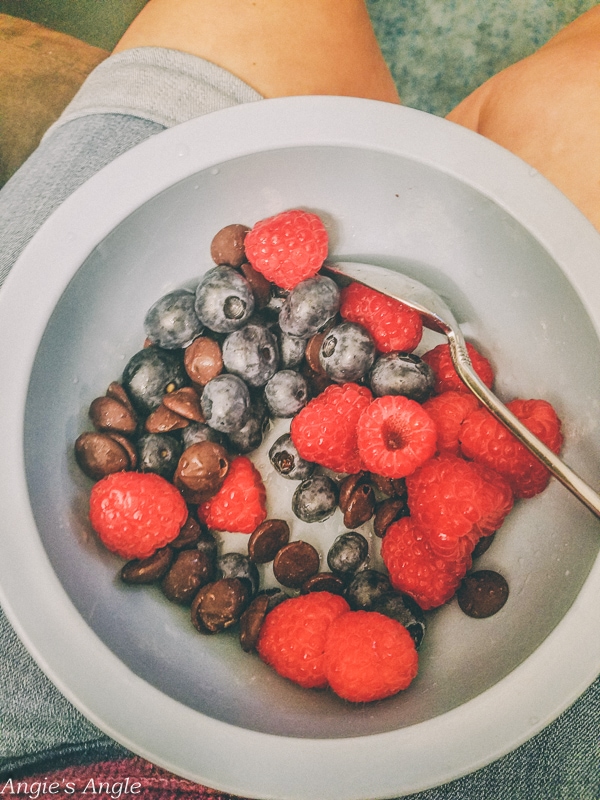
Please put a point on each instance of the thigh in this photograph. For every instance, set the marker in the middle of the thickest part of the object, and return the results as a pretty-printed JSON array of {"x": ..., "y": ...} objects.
[{"x": 546, "y": 109}]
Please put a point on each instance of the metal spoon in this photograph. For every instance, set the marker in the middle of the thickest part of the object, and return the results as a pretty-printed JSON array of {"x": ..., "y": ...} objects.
[{"x": 437, "y": 316}]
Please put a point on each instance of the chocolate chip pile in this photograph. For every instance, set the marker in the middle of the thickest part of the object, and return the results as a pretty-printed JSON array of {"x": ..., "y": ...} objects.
[{"x": 162, "y": 418}]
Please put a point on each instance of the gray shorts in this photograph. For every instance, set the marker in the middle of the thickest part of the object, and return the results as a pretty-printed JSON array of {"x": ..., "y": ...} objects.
[{"x": 127, "y": 98}]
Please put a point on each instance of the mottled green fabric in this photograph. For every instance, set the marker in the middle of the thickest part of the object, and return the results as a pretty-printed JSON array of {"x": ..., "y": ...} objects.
[{"x": 440, "y": 50}]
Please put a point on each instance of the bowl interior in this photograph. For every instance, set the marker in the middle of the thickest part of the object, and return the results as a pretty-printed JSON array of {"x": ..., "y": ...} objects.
[{"x": 514, "y": 302}]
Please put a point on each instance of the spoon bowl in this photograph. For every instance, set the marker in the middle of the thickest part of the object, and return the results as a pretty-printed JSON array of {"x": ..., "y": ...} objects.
[{"x": 438, "y": 317}]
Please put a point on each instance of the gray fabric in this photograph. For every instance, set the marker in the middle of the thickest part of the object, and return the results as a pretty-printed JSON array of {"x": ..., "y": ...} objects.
[
  {"x": 39, "y": 729},
  {"x": 164, "y": 86}
]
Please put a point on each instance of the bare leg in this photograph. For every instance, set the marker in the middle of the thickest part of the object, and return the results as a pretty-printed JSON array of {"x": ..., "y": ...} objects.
[
  {"x": 546, "y": 109},
  {"x": 279, "y": 47}
]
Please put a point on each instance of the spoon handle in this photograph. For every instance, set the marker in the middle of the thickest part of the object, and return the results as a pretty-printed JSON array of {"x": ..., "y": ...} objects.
[{"x": 550, "y": 460}]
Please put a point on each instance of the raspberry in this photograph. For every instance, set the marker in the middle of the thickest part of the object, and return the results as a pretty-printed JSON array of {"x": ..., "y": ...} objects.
[
  {"x": 450, "y": 499},
  {"x": 292, "y": 637},
  {"x": 395, "y": 436},
  {"x": 135, "y": 513},
  {"x": 240, "y": 504},
  {"x": 484, "y": 439},
  {"x": 446, "y": 376},
  {"x": 325, "y": 430},
  {"x": 449, "y": 410},
  {"x": 416, "y": 570},
  {"x": 287, "y": 248},
  {"x": 392, "y": 325},
  {"x": 368, "y": 656}
]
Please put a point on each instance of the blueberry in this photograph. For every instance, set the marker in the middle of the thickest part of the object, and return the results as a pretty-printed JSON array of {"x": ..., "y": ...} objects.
[
  {"x": 159, "y": 453},
  {"x": 172, "y": 321},
  {"x": 250, "y": 435},
  {"x": 237, "y": 565},
  {"x": 197, "y": 432},
  {"x": 315, "y": 499},
  {"x": 150, "y": 373},
  {"x": 286, "y": 393},
  {"x": 224, "y": 300},
  {"x": 348, "y": 553},
  {"x": 405, "y": 611},
  {"x": 402, "y": 374},
  {"x": 252, "y": 354},
  {"x": 208, "y": 544},
  {"x": 291, "y": 350},
  {"x": 287, "y": 461},
  {"x": 309, "y": 306},
  {"x": 366, "y": 588},
  {"x": 347, "y": 352},
  {"x": 225, "y": 403}
]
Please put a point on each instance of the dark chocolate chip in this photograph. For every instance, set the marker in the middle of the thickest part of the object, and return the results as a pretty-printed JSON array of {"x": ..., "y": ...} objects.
[
  {"x": 220, "y": 605},
  {"x": 388, "y": 511},
  {"x": 227, "y": 246},
  {"x": 147, "y": 570},
  {"x": 251, "y": 622},
  {"x": 482, "y": 593},
  {"x": 98, "y": 454},
  {"x": 295, "y": 563},
  {"x": 191, "y": 570},
  {"x": 188, "y": 535},
  {"x": 323, "y": 582},
  {"x": 267, "y": 540}
]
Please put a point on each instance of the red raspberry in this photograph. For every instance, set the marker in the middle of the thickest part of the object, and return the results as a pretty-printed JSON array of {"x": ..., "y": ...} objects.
[
  {"x": 135, "y": 513},
  {"x": 392, "y": 325},
  {"x": 369, "y": 656},
  {"x": 292, "y": 637},
  {"x": 240, "y": 504},
  {"x": 395, "y": 436},
  {"x": 449, "y": 410},
  {"x": 416, "y": 570},
  {"x": 450, "y": 499},
  {"x": 488, "y": 442},
  {"x": 325, "y": 429},
  {"x": 287, "y": 248},
  {"x": 446, "y": 376}
]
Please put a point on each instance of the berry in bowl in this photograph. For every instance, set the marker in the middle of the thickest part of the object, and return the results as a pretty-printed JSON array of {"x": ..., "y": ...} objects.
[{"x": 190, "y": 669}]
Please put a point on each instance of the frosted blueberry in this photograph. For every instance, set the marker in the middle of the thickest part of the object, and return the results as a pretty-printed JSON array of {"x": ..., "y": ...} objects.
[
  {"x": 159, "y": 453},
  {"x": 225, "y": 403},
  {"x": 348, "y": 553},
  {"x": 309, "y": 306},
  {"x": 291, "y": 350},
  {"x": 150, "y": 373},
  {"x": 250, "y": 435},
  {"x": 402, "y": 374},
  {"x": 224, "y": 300},
  {"x": 252, "y": 354},
  {"x": 366, "y": 588},
  {"x": 315, "y": 499},
  {"x": 286, "y": 393},
  {"x": 347, "y": 352},
  {"x": 287, "y": 461},
  {"x": 197, "y": 432},
  {"x": 405, "y": 611},
  {"x": 172, "y": 321}
]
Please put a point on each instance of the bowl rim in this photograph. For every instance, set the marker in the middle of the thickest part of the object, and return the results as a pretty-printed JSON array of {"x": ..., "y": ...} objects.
[{"x": 96, "y": 682}]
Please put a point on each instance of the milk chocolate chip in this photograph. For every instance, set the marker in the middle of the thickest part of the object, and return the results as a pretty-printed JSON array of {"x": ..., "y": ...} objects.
[
  {"x": 251, "y": 622},
  {"x": 98, "y": 454},
  {"x": 201, "y": 470},
  {"x": 108, "y": 414},
  {"x": 203, "y": 360},
  {"x": 357, "y": 500},
  {"x": 388, "y": 511},
  {"x": 482, "y": 593},
  {"x": 227, "y": 246},
  {"x": 185, "y": 402}
]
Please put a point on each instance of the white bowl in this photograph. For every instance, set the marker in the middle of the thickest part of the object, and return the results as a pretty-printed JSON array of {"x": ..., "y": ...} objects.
[{"x": 397, "y": 188}]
